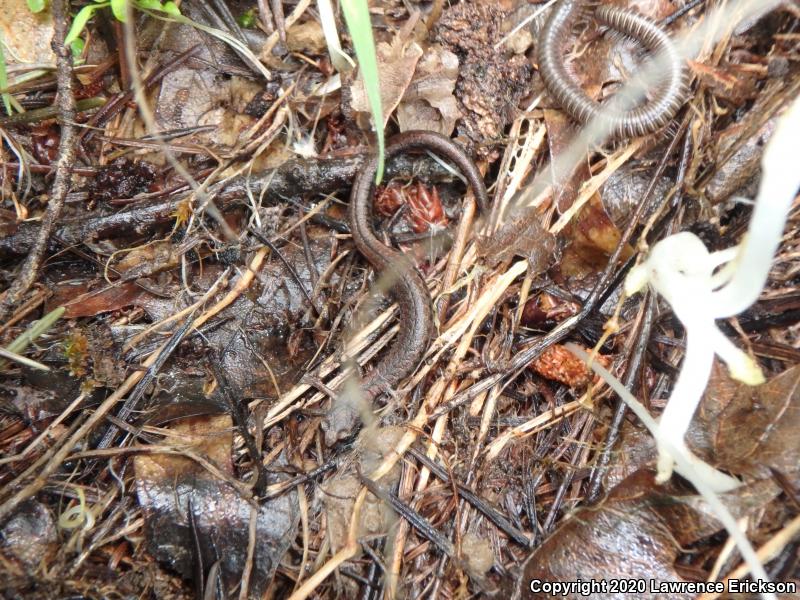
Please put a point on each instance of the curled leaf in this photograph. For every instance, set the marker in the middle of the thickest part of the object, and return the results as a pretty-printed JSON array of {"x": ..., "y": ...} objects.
[
  {"x": 80, "y": 21},
  {"x": 120, "y": 9}
]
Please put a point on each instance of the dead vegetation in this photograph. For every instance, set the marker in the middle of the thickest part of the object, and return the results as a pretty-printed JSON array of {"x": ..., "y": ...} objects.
[{"x": 195, "y": 234}]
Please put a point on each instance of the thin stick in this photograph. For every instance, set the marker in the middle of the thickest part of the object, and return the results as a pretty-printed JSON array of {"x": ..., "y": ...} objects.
[
  {"x": 66, "y": 159},
  {"x": 101, "y": 411}
]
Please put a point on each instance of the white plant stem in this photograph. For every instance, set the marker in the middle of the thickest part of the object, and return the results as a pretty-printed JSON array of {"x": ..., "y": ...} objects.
[
  {"x": 675, "y": 419},
  {"x": 706, "y": 480},
  {"x": 681, "y": 269}
]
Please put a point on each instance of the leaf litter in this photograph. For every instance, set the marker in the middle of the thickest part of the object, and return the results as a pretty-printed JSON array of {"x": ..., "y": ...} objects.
[{"x": 177, "y": 435}]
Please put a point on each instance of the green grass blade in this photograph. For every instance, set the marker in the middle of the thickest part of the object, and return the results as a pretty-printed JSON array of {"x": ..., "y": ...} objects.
[
  {"x": 34, "y": 331},
  {"x": 356, "y": 15},
  {"x": 4, "y": 78}
]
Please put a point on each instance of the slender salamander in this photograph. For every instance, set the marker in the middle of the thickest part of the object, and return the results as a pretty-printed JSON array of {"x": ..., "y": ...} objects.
[{"x": 407, "y": 286}]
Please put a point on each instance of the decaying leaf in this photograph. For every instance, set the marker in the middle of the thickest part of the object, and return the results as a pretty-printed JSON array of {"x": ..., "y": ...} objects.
[
  {"x": 592, "y": 239},
  {"x": 162, "y": 254},
  {"x": 758, "y": 429},
  {"x": 175, "y": 492},
  {"x": 624, "y": 537},
  {"x": 396, "y": 64},
  {"x": 522, "y": 235},
  {"x": 206, "y": 90},
  {"x": 27, "y": 537},
  {"x": 429, "y": 102},
  {"x": 624, "y": 189},
  {"x": 638, "y": 531},
  {"x": 737, "y": 174}
]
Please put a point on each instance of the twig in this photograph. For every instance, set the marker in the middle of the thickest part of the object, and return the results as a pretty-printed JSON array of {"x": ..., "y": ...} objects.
[
  {"x": 101, "y": 411},
  {"x": 280, "y": 19},
  {"x": 420, "y": 523},
  {"x": 476, "y": 501},
  {"x": 66, "y": 159},
  {"x": 152, "y": 370},
  {"x": 642, "y": 333},
  {"x": 238, "y": 413}
]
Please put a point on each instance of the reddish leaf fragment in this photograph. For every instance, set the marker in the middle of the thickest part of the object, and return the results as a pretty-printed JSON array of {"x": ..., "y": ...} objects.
[
  {"x": 593, "y": 238},
  {"x": 389, "y": 198},
  {"x": 80, "y": 302}
]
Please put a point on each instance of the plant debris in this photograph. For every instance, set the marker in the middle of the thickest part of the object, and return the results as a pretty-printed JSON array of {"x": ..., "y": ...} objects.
[{"x": 176, "y": 248}]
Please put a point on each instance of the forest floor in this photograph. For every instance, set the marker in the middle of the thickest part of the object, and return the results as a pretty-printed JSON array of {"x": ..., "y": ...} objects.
[{"x": 183, "y": 308}]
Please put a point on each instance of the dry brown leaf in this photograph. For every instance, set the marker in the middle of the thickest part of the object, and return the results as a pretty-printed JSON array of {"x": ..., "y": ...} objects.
[
  {"x": 758, "y": 428},
  {"x": 593, "y": 238},
  {"x": 396, "y": 64},
  {"x": 429, "y": 102}
]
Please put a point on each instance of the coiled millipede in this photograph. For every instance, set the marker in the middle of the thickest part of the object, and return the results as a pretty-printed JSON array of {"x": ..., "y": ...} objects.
[{"x": 636, "y": 121}]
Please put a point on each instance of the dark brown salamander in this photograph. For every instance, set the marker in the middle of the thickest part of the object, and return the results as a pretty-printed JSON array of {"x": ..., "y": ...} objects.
[
  {"x": 636, "y": 121},
  {"x": 407, "y": 286}
]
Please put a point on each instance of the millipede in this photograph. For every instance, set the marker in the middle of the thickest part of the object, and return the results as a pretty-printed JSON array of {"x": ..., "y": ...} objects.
[{"x": 561, "y": 84}]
